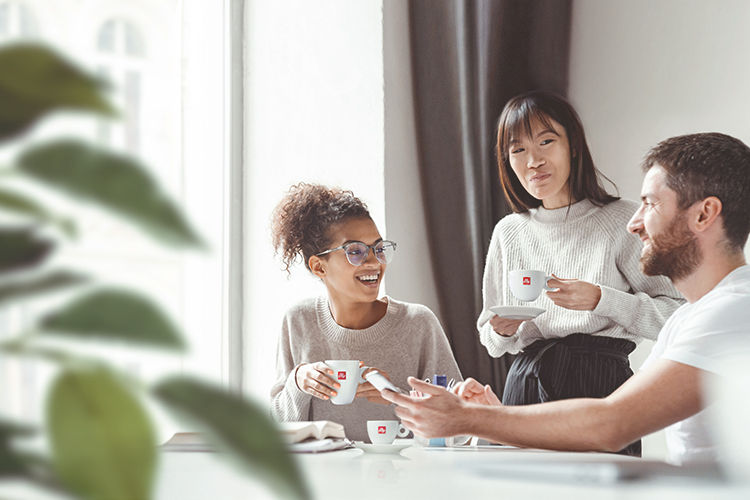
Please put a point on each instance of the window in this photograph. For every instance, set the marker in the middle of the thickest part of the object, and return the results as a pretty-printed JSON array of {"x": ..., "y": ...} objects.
[
  {"x": 166, "y": 62},
  {"x": 122, "y": 52},
  {"x": 16, "y": 21}
]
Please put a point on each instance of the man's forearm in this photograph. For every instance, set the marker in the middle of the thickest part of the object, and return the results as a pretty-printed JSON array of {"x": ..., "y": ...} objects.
[{"x": 573, "y": 424}]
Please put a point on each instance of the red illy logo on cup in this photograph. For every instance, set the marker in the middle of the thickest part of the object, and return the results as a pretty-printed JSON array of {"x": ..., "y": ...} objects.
[
  {"x": 342, "y": 375},
  {"x": 381, "y": 429},
  {"x": 526, "y": 280}
]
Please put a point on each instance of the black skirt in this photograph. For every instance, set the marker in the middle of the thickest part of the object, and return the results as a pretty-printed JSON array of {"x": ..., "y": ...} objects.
[{"x": 576, "y": 366}]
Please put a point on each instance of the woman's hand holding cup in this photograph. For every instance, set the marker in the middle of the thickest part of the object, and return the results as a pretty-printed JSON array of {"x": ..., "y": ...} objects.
[
  {"x": 574, "y": 294},
  {"x": 317, "y": 380}
]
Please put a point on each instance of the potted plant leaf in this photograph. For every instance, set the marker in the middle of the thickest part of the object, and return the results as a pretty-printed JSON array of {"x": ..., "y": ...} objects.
[{"x": 102, "y": 443}]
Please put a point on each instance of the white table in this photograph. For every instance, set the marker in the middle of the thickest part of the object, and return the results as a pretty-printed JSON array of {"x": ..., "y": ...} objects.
[
  {"x": 427, "y": 473},
  {"x": 414, "y": 474}
]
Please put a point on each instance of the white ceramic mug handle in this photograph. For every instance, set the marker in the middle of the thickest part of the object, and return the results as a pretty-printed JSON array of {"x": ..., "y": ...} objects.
[
  {"x": 402, "y": 431},
  {"x": 361, "y": 371}
]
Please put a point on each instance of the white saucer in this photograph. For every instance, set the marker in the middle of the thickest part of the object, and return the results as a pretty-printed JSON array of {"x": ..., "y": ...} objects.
[
  {"x": 396, "y": 447},
  {"x": 517, "y": 312}
]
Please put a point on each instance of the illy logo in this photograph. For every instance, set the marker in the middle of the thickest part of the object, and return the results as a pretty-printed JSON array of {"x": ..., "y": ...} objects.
[
  {"x": 526, "y": 280},
  {"x": 342, "y": 375},
  {"x": 381, "y": 429}
]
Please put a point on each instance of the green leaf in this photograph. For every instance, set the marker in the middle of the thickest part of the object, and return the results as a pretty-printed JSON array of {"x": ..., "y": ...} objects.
[
  {"x": 10, "y": 429},
  {"x": 240, "y": 426},
  {"x": 115, "y": 182},
  {"x": 11, "y": 465},
  {"x": 35, "y": 81},
  {"x": 21, "y": 248},
  {"x": 103, "y": 445},
  {"x": 114, "y": 314},
  {"x": 49, "y": 282},
  {"x": 15, "y": 202}
]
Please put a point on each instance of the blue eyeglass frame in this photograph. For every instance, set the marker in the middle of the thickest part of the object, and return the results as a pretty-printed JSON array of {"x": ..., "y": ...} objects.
[{"x": 369, "y": 247}]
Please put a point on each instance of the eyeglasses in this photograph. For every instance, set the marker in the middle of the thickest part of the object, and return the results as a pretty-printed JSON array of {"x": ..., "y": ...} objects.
[{"x": 357, "y": 252}]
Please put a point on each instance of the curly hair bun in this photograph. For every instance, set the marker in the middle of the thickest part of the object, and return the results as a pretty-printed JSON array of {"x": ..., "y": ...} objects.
[{"x": 303, "y": 218}]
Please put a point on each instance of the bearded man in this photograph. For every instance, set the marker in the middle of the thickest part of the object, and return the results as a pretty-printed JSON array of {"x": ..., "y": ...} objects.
[{"x": 694, "y": 221}]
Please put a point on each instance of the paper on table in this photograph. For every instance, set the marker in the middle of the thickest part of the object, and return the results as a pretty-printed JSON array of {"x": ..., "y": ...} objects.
[{"x": 320, "y": 445}]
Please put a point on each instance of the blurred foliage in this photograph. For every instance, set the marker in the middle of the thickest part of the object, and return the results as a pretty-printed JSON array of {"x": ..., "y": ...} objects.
[
  {"x": 113, "y": 181},
  {"x": 239, "y": 426},
  {"x": 35, "y": 81},
  {"x": 102, "y": 441}
]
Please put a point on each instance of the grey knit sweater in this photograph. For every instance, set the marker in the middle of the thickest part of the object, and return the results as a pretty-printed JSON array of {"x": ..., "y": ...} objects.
[
  {"x": 408, "y": 340},
  {"x": 589, "y": 243}
]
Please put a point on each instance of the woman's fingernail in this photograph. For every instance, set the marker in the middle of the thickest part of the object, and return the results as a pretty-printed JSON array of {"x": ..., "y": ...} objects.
[{"x": 338, "y": 386}]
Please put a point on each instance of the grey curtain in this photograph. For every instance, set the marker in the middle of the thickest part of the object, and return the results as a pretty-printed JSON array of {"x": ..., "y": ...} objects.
[{"x": 468, "y": 58}]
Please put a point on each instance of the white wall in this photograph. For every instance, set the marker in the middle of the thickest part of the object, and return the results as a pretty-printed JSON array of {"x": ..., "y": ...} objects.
[
  {"x": 645, "y": 70},
  {"x": 314, "y": 107},
  {"x": 410, "y": 276}
]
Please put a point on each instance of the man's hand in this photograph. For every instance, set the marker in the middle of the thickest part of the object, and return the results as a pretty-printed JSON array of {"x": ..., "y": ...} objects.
[
  {"x": 366, "y": 389},
  {"x": 574, "y": 294},
  {"x": 472, "y": 391},
  {"x": 313, "y": 379},
  {"x": 439, "y": 414},
  {"x": 505, "y": 327}
]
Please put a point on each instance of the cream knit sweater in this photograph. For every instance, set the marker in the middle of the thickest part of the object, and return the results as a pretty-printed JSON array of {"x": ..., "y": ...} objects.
[
  {"x": 408, "y": 340},
  {"x": 589, "y": 243}
]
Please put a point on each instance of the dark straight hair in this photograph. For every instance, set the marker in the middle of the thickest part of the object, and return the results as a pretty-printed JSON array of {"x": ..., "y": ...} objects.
[{"x": 516, "y": 120}]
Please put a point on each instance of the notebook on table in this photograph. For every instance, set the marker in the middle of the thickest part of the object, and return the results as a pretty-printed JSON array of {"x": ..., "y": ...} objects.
[{"x": 314, "y": 437}]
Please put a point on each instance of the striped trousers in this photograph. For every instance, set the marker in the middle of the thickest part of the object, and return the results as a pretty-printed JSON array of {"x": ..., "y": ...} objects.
[{"x": 576, "y": 366}]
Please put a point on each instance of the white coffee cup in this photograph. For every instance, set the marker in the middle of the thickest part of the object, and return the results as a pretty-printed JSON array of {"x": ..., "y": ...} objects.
[
  {"x": 348, "y": 373},
  {"x": 385, "y": 431},
  {"x": 527, "y": 285}
]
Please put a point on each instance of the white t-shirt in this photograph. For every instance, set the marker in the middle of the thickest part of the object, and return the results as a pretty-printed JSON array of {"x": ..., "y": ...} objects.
[{"x": 704, "y": 334}]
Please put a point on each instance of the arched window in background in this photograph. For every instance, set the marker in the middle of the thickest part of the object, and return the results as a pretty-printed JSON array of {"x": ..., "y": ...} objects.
[
  {"x": 122, "y": 51},
  {"x": 17, "y": 21},
  {"x": 166, "y": 62}
]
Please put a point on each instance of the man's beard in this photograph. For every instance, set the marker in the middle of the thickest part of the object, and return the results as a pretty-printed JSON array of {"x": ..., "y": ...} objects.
[{"x": 674, "y": 254}]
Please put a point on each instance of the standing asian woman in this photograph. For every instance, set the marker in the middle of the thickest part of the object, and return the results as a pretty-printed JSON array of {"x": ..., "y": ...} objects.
[{"x": 565, "y": 223}]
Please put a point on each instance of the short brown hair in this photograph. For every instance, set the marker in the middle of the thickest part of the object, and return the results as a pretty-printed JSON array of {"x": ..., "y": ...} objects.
[
  {"x": 302, "y": 221},
  {"x": 516, "y": 120},
  {"x": 709, "y": 164}
]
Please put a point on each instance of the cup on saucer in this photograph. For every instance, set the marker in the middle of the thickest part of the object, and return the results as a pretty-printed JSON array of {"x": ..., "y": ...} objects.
[{"x": 385, "y": 431}]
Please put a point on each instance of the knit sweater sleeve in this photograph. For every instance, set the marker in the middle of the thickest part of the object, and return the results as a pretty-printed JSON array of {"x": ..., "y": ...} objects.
[
  {"x": 643, "y": 309},
  {"x": 437, "y": 356},
  {"x": 288, "y": 402},
  {"x": 492, "y": 295}
]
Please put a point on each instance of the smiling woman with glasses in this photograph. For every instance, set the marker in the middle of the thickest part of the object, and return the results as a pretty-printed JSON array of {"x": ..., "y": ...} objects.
[{"x": 331, "y": 232}]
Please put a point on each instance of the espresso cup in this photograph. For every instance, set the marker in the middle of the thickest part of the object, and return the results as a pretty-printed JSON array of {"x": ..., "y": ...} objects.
[
  {"x": 385, "y": 431},
  {"x": 527, "y": 285},
  {"x": 348, "y": 373}
]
